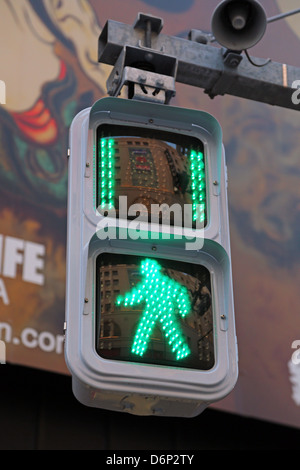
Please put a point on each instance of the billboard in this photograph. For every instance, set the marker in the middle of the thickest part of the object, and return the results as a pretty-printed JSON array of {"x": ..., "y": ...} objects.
[{"x": 49, "y": 72}]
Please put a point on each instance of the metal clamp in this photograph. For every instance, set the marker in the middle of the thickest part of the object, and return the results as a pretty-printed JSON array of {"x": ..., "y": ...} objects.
[{"x": 149, "y": 74}]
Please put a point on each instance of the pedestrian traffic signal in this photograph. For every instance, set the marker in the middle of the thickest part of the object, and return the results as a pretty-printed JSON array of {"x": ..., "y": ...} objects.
[
  {"x": 149, "y": 304},
  {"x": 154, "y": 311}
]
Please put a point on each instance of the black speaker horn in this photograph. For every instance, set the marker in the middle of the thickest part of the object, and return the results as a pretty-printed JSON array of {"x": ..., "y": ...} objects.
[{"x": 238, "y": 24}]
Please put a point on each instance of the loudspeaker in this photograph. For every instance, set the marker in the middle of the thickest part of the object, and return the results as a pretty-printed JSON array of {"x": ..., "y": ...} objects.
[{"x": 238, "y": 24}]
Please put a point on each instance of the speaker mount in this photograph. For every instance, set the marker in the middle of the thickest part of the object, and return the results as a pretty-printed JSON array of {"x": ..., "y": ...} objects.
[{"x": 238, "y": 24}]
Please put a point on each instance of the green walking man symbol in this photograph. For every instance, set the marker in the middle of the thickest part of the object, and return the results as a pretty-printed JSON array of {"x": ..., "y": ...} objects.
[{"x": 164, "y": 300}]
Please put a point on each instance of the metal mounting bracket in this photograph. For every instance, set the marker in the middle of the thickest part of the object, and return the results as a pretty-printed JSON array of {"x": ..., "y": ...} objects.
[
  {"x": 149, "y": 74},
  {"x": 194, "y": 61}
]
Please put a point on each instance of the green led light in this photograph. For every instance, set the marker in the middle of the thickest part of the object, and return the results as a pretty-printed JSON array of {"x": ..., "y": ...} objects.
[
  {"x": 198, "y": 194},
  {"x": 106, "y": 173},
  {"x": 164, "y": 300}
]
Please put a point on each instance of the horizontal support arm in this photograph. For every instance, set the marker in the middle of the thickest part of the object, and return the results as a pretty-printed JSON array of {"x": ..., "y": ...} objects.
[{"x": 203, "y": 65}]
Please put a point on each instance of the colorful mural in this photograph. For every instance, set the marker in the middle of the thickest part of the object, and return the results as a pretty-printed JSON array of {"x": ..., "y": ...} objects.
[
  {"x": 51, "y": 73},
  {"x": 48, "y": 51}
]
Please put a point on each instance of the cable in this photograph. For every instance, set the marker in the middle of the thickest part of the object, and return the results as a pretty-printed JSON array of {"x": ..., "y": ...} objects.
[
  {"x": 253, "y": 63},
  {"x": 283, "y": 15}
]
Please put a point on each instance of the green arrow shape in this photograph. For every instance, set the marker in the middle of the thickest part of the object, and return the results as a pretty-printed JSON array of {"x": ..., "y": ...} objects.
[{"x": 164, "y": 300}]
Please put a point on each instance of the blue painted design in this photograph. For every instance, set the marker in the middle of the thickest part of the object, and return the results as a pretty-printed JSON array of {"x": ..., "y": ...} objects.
[{"x": 173, "y": 6}]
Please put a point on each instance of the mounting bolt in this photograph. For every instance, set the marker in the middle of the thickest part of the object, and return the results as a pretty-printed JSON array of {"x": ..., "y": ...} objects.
[
  {"x": 116, "y": 79},
  {"x": 148, "y": 56},
  {"x": 142, "y": 78}
]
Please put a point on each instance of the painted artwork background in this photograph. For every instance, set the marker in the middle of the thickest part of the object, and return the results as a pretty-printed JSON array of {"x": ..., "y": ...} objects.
[{"x": 48, "y": 52}]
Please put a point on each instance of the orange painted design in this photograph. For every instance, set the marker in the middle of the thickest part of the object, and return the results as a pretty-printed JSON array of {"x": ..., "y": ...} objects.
[
  {"x": 63, "y": 71},
  {"x": 37, "y": 124}
]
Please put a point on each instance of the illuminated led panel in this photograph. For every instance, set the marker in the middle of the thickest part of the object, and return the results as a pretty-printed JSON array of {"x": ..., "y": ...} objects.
[
  {"x": 151, "y": 168},
  {"x": 198, "y": 190},
  {"x": 106, "y": 174},
  {"x": 154, "y": 311},
  {"x": 164, "y": 300}
]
